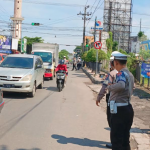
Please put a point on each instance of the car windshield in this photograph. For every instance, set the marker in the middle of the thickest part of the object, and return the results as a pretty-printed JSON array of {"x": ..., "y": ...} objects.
[
  {"x": 46, "y": 56},
  {"x": 17, "y": 62}
]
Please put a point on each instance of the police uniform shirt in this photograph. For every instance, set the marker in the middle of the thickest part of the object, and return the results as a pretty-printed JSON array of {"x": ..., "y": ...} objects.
[
  {"x": 110, "y": 78},
  {"x": 120, "y": 90}
]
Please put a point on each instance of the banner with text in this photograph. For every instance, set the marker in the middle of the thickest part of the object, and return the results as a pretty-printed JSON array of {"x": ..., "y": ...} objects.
[{"x": 145, "y": 70}]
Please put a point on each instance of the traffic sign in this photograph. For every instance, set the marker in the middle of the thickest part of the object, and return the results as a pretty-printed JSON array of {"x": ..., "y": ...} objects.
[{"x": 98, "y": 45}]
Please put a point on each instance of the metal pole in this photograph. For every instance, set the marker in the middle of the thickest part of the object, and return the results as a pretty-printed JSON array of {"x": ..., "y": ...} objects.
[
  {"x": 95, "y": 30},
  {"x": 97, "y": 49},
  {"x": 84, "y": 29},
  {"x": 140, "y": 24},
  {"x": 119, "y": 43},
  {"x": 96, "y": 62}
]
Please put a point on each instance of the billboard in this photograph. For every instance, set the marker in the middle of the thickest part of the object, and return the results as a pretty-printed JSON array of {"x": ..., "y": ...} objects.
[
  {"x": 5, "y": 44},
  {"x": 145, "y": 70},
  {"x": 145, "y": 45}
]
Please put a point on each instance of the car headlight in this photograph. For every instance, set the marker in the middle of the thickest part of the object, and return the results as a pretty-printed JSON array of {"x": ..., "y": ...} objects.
[{"x": 27, "y": 78}]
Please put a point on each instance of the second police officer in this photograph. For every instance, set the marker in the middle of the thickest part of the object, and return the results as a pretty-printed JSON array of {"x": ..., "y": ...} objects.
[{"x": 109, "y": 79}]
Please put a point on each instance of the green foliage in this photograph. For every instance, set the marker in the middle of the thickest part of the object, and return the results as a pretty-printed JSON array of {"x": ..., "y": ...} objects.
[
  {"x": 63, "y": 53},
  {"x": 115, "y": 46},
  {"x": 131, "y": 63},
  {"x": 111, "y": 45},
  {"x": 78, "y": 48},
  {"x": 144, "y": 54},
  {"x": 109, "y": 42},
  {"x": 84, "y": 56},
  {"x": 90, "y": 56},
  {"x": 142, "y": 36},
  {"x": 30, "y": 41}
]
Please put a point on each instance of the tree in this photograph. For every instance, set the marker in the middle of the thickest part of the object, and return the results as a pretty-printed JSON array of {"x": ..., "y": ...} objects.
[
  {"x": 131, "y": 63},
  {"x": 144, "y": 54},
  {"x": 63, "y": 53},
  {"x": 78, "y": 48},
  {"x": 142, "y": 37},
  {"x": 91, "y": 55},
  {"x": 111, "y": 45},
  {"x": 30, "y": 41}
]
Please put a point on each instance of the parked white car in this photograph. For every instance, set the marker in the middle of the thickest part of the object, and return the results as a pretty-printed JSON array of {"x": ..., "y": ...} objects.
[{"x": 22, "y": 73}]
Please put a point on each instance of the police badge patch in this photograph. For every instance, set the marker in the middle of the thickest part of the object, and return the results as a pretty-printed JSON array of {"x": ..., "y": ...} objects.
[{"x": 120, "y": 77}]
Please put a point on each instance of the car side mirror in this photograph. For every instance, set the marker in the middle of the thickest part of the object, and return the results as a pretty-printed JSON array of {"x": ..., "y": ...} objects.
[{"x": 38, "y": 66}]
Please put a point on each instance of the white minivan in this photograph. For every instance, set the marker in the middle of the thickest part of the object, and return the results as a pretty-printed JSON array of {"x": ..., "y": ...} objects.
[{"x": 22, "y": 73}]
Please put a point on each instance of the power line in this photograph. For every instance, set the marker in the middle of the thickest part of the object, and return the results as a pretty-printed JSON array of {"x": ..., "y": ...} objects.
[
  {"x": 50, "y": 3},
  {"x": 93, "y": 5},
  {"x": 86, "y": 2},
  {"x": 94, "y": 11}
]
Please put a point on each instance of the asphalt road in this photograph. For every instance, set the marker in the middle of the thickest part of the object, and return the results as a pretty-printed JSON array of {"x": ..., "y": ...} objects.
[{"x": 52, "y": 120}]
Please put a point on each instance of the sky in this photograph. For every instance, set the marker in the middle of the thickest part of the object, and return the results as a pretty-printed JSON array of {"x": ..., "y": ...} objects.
[{"x": 61, "y": 24}]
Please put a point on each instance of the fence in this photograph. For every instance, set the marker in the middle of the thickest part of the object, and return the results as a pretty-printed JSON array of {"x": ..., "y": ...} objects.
[
  {"x": 92, "y": 66},
  {"x": 102, "y": 66}
]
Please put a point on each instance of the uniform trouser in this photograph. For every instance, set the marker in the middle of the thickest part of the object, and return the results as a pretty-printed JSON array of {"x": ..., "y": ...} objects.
[
  {"x": 108, "y": 110},
  {"x": 108, "y": 113},
  {"x": 74, "y": 66},
  {"x": 120, "y": 128},
  {"x": 79, "y": 66}
]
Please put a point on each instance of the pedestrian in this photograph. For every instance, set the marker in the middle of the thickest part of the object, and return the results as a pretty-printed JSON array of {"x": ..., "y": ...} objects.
[
  {"x": 120, "y": 107},
  {"x": 65, "y": 60},
  {"x": 74, "y": 64},
  {"x": 109, "y": 79},
  {"x": 79, "y": 63}
]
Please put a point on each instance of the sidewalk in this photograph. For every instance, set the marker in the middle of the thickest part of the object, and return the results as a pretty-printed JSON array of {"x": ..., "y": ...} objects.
[{"x": 140, "y": 131}]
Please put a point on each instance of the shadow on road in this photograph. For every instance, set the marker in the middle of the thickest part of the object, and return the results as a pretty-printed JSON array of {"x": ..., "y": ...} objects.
[
  {"x": 141, "y": 94},
  {"x": 6, "y": 148},
  {"x": 81, "y": 76},
  {"x": 54, "y": 89},
  {"x": 15, "y": 95},
  {"x": 136, "y": 130},
  {"x": 82, "y": 142}
]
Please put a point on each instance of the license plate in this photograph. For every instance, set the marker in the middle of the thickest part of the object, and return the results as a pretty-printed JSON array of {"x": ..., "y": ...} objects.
[{"x": 9, "y": 85}]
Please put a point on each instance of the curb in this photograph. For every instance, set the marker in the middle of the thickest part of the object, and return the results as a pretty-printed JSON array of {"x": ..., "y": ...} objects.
[{"x": 91, "y": 77}]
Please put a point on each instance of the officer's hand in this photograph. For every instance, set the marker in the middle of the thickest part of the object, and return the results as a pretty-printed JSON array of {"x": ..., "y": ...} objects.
[
  {"x": 97, "y": 103},
  {"x": 109, "y": 83}
]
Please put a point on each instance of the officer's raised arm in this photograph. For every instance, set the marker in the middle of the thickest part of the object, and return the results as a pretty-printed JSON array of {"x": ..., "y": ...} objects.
[{"x": 120, "y": 83}]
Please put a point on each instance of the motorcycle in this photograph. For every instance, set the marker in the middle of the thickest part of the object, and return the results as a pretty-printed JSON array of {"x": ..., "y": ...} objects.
[{"x": 60, "y": 79}]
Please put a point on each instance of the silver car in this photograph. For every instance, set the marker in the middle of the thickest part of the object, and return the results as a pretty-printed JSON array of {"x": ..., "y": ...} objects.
[{"x": 22, "y": 73}]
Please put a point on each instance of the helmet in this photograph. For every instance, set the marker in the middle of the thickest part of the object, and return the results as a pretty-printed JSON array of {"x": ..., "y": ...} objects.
[
  {"x": 64, "y": 56},
  {"x": 62, "y": 62}
]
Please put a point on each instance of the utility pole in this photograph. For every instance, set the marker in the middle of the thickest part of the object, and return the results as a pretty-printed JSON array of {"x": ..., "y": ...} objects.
[
  {"x": 95, "y": 30},
  {"x": 119, "y": 42},
  {"x": 96, "y": 71},
  {"x": 140, "y": 24},
  {"x": 85, "y": 19}
]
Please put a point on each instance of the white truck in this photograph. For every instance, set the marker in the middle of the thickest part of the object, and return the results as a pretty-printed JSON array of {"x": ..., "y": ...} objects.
[{"x": 50, "y": 56}]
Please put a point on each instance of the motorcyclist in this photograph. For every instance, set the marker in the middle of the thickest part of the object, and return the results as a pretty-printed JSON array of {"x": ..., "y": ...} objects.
[{"x": 62, "y": 66}]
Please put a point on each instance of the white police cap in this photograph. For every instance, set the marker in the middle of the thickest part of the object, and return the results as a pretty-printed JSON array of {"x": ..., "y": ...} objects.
[
  {"x": 112, "y": 58},
  {"x": 115, "y": 52},
  {"x": 120, "y": 56},
  {"x": 112, "y": 55}
]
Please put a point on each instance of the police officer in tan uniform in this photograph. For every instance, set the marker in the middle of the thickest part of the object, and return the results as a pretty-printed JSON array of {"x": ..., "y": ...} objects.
[
  {"x": 120, "y": 107},
  {"x": 109, "y": 79}
]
